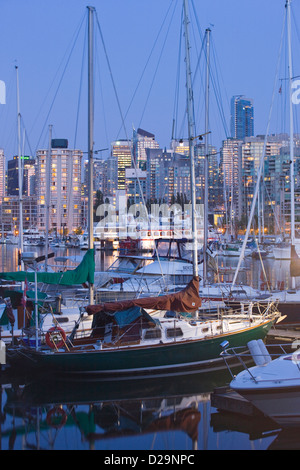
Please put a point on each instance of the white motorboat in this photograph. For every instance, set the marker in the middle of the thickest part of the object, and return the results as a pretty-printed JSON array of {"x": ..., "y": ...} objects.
[{"x": 272, "y": 385}]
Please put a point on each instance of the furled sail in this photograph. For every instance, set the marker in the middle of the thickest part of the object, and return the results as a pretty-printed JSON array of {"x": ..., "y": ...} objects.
[
  {"x": 295, "y": 263},
  {"x": 83, "y": 273},
  {"x": 187, "y": 300}
]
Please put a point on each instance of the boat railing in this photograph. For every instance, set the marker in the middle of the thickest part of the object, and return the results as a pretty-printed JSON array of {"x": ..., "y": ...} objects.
[
  {"x": 255, "y": 352},
  {"x": 251, "y": 311}
]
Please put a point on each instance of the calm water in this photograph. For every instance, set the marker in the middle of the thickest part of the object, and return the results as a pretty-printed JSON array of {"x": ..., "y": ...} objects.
[{"x": 165, "y": 414}]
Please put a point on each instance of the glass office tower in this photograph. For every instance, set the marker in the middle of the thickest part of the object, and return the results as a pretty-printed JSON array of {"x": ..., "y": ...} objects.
[{"x": 242, "y": 117}]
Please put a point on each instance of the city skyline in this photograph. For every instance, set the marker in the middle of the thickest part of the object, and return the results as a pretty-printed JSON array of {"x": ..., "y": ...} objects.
[{"x": 246, "y": 57}]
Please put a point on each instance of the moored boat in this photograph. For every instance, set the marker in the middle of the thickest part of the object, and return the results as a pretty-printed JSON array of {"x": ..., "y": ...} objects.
[
  {"x": 272, "y": 385},
  {"x": 145, "y": 336}
]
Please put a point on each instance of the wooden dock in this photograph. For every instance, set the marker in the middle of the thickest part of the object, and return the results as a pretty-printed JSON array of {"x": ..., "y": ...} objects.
[{"x": 284, "y": 334}]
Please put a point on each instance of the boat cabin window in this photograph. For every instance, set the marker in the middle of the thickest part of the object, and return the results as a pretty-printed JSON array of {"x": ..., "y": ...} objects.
[
  {"x": 152, "y": 333},
  {"x": 174, "y": 332},
  {"x": 239, "y": 292},
  {"x": 62, "y": 319},
  {"x": 163, "y": 247}
]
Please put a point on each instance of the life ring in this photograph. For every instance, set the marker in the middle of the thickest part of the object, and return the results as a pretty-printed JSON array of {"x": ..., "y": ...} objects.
[
  {"x": 56, "y": 417},
  {"x": 55, "y": 337}
]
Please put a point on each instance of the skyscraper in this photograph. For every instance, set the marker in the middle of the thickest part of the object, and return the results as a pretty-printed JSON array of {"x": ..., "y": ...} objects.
[
  {"x": 231, "y": 162},
  {"x": 28, "y": 165},
  {"x": 142, "y": 140},
  {"x": 242, "y": 117},
  {"x": 121, "y": 152}
]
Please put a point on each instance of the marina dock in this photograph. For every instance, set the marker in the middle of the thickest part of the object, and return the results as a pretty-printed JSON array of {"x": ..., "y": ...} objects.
[{"x": 284, "y": 334}]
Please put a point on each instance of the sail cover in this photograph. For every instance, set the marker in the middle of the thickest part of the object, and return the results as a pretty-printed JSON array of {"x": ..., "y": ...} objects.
[
  {"x": 83, "y": 273},
  {"x": 187, "y": 300},
  {"x": 295, "y": 263}
]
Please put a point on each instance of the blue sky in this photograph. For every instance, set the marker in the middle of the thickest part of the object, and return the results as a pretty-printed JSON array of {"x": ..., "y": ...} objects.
[{"x": 38, "y": 35}]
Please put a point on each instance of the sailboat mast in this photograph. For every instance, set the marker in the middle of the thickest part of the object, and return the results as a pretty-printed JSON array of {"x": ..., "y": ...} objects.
[
  {"x": 290, "y": 67},
  {"x": 191, "y": 136},
  {"x": 48, "y": 181},
  {"x": 20, "y": 174},
  {"x": 91, "y": 137},
  {"x": 206, "y": 158}
]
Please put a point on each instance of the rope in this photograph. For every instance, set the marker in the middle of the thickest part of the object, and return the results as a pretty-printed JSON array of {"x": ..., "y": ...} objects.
[{"x": 59, "y": 84}]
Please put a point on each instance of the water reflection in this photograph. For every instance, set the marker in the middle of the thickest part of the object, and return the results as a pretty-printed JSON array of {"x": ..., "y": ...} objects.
[
  {"x": 9, "y": 257},
  {"x": 105, "y": 411},
  {"x": 273, "y": 274},
  {"x": 162, "y": 413}
]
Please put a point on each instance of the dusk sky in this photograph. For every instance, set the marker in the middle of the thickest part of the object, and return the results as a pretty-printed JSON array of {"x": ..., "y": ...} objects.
[{"x": 47, "y": 40}]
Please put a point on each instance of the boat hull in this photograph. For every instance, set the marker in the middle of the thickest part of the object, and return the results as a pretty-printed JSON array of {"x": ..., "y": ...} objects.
[
  {"x": 138, "y": 360},
  {"x": 281, "y": 405}
]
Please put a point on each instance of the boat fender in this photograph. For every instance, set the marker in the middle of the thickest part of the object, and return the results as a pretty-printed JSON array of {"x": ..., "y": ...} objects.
[
  {"x": 264, "y": 351},
  {"x": 55, "y": 337},
  {"x": 256, "y": 353},
  {"x": 56, "y": 417}
]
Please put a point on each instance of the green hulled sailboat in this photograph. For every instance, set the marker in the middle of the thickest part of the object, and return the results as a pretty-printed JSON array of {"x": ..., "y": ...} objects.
[{"x": 149, "y": 335}]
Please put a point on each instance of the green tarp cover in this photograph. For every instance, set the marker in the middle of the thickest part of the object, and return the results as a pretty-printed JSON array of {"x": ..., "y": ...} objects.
[
  {"x": 125, "y": 317},
  {"x": 83, "y": 273}
]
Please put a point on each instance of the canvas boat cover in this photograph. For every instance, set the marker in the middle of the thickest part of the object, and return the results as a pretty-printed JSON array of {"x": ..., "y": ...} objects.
[
  {"x": 295, "y": 263},
  {"x": 187, "y": 300},
  {"x": 83, "y": 273}
]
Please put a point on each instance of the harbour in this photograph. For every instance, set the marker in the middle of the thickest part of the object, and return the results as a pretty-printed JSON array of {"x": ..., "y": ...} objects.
[
  {"x": 170, "y": 413},
  {"x": 151, "y": 302}
]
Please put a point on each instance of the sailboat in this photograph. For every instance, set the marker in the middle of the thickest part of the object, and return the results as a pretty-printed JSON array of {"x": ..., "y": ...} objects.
[
  {"x": 50, "y": 311},
  {"x": 272, "y": 385},
  {"x": 151, "y": 335}
]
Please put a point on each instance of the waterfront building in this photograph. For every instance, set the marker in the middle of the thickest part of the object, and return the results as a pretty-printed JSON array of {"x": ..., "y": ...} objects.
[
  {"x": 28, "y": 187},
  {"x": 277, "y": 199},
  {"x": 213, "y": 183},
  {"x": 121, "y": 151},
  {"x": 181, "y": 146},
  {"x": 168, "y": 175},
  {"x": 242, "y": 117},
  {"x": 231, "y": 167},
  {"x": 141, "y": 141},
  {"x": 99, "y": 175},
  {"x": 65, "y": 187},
  {"x": 252, "y": 152},
  {"x": 154, "y": 161},
  {"x": 10, "y": 213},
  {"x": 135, "y": 186}
]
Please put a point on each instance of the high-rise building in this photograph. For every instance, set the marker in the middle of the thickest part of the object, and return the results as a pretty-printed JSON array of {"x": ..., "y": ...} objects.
[
  {"x": 231, "y": 163},
  {"x": 65, "y": 188},
  {"x": 242, "y": 117},
  {"x": 168, "y": 175},
  {"x": 121, "y": 155},
  {"x": 274, "y": 193},
  {"x": 28, "y": 164},
  {"x": 136, "y": 185},
  {"x": 141, "y": 141}
]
